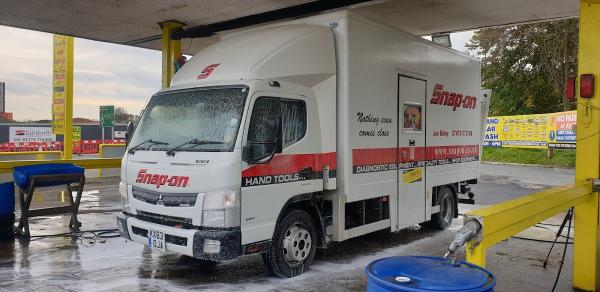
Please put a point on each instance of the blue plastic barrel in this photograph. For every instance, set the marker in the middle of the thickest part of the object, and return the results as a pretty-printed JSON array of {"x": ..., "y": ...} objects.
[
  {"x": 7, "y": 198},
  {"x": 421, "y": 274},
  {"x": 7, "y": 210}
]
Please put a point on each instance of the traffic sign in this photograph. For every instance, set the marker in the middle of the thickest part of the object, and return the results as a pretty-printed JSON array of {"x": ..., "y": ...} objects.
[{"x": 107, "y": 115}]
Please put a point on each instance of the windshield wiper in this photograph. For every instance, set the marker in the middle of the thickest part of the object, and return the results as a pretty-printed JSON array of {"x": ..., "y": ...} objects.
[
  {"x": 138, "y": 146},
  {"x": 193, "y": 142}
]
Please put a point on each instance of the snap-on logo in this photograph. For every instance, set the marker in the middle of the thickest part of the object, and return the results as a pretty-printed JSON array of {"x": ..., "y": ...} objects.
[
  {"x": 158, "y": 180},
  {"x": 207, "y": 71},
  {"x": 452, "y": 99}
]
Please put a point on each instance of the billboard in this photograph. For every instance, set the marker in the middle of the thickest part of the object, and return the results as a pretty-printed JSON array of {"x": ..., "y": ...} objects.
[
  {"x": 18, "y": 134},
  {"x": 552, "y": 130},
  {"x": 62, "y": 80},
  {"x": 30, "y": 134},
  {"x": 562, "y": 128}
]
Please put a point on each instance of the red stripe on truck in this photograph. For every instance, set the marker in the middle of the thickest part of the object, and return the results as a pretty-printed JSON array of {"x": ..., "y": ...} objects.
[
  {"x": 384, "y": 159},
  {"x": 292, "y": 163},
  {"x": 371, "y": 156}
]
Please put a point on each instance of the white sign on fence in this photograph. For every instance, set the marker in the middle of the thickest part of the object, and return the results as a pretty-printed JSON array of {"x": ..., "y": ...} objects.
[
  {"x": 30, "y": 134},
  {"x": 120, "y": 134}
]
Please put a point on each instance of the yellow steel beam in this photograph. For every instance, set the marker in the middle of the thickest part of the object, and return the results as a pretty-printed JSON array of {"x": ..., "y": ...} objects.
[
  {"x": 30, "y": 153},
  {"x": 38, "y": 155},
  {"x": 171, "y": 50},
  {"x": 95, "y": 163},
  {"x": 110, "y": 145},
  {"x": 511, "y": 217},
  {"x": 586, "y": 254},
  {"x": 101, "y": 153}
]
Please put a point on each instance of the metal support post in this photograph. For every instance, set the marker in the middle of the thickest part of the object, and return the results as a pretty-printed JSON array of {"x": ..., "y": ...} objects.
[
  {"x": 171, "y": 51},
  {"x": 68, "y": 137},
  {"x": 586, "y": 255},
  {"x": 62, "y": 91}
]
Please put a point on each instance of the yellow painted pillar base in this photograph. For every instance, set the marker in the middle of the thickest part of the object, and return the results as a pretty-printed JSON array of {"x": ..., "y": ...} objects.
[
  {"x": 171, "y": 51},
  {"x": 586, "y": 256},
  {"x": 476, "y": 255}
]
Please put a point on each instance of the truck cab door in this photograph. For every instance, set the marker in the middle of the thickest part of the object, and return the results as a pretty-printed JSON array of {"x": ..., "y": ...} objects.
[
  {"x": 280, "y": 124},
  {"x": 411, "y": 151}
]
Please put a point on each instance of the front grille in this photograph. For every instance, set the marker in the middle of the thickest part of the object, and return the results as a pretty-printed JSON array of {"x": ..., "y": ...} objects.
[
  {"x": 164, "y": 219},
  {"x": 166, "y": 199},
  {"x": 174, "y": 239}
]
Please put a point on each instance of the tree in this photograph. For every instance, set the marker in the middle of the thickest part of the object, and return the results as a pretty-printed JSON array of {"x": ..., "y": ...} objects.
[
  {"x": 122, "y": 117},
  {"x": 527, "y": 66}
]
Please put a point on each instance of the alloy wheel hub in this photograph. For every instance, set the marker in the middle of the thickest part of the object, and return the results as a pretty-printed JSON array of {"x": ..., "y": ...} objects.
[{"x": 296, "y": 244}]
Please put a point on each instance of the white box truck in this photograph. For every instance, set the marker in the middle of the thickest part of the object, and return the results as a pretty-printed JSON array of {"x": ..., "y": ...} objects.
[{"x": 281, "y": 139}]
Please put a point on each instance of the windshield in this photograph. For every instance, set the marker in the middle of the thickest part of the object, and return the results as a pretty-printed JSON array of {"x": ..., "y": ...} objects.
[{"x": 206, "y": 114}]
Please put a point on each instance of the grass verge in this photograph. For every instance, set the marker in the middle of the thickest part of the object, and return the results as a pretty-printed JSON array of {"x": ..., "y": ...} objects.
[{"x": 563, "y": 158}]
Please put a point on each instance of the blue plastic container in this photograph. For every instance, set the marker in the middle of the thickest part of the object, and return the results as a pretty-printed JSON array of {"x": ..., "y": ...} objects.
[
  {"x": 7, "y": 198},
  {"x": 22, "y": 174},
  {"x": 422, "y": 274}
]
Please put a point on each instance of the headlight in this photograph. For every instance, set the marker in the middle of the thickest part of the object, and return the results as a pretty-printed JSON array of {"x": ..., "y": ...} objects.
[
  {"x": 221, "y": 209},
  {"x": 124, "y": 197}
]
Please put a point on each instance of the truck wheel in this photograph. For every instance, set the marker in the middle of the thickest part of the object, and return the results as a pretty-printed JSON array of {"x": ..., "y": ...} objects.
[
  {"x": 293, "y": 247},
  {"x": 443, "y": 219}
]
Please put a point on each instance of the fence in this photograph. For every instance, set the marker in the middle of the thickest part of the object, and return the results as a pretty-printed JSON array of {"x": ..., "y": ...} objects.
[{"x": 79, "y": 147}]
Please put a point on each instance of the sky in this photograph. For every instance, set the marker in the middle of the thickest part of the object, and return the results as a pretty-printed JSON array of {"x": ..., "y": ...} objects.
[{"x": 105, "y": 74}]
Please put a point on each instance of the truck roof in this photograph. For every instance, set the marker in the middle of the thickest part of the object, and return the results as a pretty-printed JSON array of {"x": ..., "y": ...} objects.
[{"x": 297, "y": 53}]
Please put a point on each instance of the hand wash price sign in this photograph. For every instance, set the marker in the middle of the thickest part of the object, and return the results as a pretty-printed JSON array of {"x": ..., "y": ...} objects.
[{"x": 107, "y": 115}]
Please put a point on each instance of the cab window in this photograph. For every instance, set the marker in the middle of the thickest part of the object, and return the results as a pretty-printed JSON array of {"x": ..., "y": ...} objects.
[{"x": 272, "y": 116}]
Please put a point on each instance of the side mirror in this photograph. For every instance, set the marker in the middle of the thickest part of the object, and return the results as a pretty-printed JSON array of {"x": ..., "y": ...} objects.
[
  {"x": 129, "y": 132},
  {"x": 259, "y": 153}
]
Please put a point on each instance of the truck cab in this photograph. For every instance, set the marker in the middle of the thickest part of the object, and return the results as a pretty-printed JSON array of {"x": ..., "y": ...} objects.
[{"x": 216, "y": 157}]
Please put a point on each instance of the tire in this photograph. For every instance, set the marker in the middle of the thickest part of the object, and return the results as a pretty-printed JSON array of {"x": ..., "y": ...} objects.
[
  {"x": 446, "y": 200},
  {"x": 293, "y": 247}
]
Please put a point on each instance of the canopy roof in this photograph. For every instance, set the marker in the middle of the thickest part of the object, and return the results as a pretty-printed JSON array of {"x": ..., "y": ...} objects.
[{"x": 135, "y": 22}]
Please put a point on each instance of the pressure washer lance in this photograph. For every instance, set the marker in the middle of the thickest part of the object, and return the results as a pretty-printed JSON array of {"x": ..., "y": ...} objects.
[{"x": 470, "y": 229}]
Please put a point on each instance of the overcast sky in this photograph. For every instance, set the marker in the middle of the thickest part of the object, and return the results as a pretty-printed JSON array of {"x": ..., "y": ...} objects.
[{"x": 104, "y": 74}]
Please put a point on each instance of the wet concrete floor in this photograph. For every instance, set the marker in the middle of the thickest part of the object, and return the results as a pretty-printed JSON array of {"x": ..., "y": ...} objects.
[{"x": 101, "y": 262}]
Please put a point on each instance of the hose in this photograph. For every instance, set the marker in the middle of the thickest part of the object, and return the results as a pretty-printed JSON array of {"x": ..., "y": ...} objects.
[{"x": 470, "y": 229}]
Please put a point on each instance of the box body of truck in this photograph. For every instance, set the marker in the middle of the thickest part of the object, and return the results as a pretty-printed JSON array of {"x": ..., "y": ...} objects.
[{"x": 343, "y": 124}]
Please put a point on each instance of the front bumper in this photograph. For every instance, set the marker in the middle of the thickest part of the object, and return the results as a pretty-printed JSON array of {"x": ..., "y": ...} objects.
[{"x": 190, "y": 242}]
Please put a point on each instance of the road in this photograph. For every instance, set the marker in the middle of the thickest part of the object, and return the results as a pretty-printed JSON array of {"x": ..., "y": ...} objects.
[
  {"x": 499, "y": 182},
  {"x": 99, "y": 264}
]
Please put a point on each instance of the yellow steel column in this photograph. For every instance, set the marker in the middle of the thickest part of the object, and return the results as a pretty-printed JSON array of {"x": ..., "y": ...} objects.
[
  {"x": 476, "y": 254},
  {"x": 68, "y": 136},
  {"x": 62, "y": 91},
  {"x": 171, "y": 50},
  {"x": 586, "y": 256}
]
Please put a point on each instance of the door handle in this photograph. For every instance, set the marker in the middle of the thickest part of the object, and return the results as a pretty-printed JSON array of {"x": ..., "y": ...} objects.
[
  {"x": 306, "y": 170},
  {"x": 411, "y": 142}
]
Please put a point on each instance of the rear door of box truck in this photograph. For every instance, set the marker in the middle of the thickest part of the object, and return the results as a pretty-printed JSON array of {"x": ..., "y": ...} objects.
[{"x": 411, "y": 149}]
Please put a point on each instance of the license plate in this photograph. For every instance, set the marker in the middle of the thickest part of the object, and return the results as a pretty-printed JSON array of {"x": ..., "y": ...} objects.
[{"x": 156, "y": 239}]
